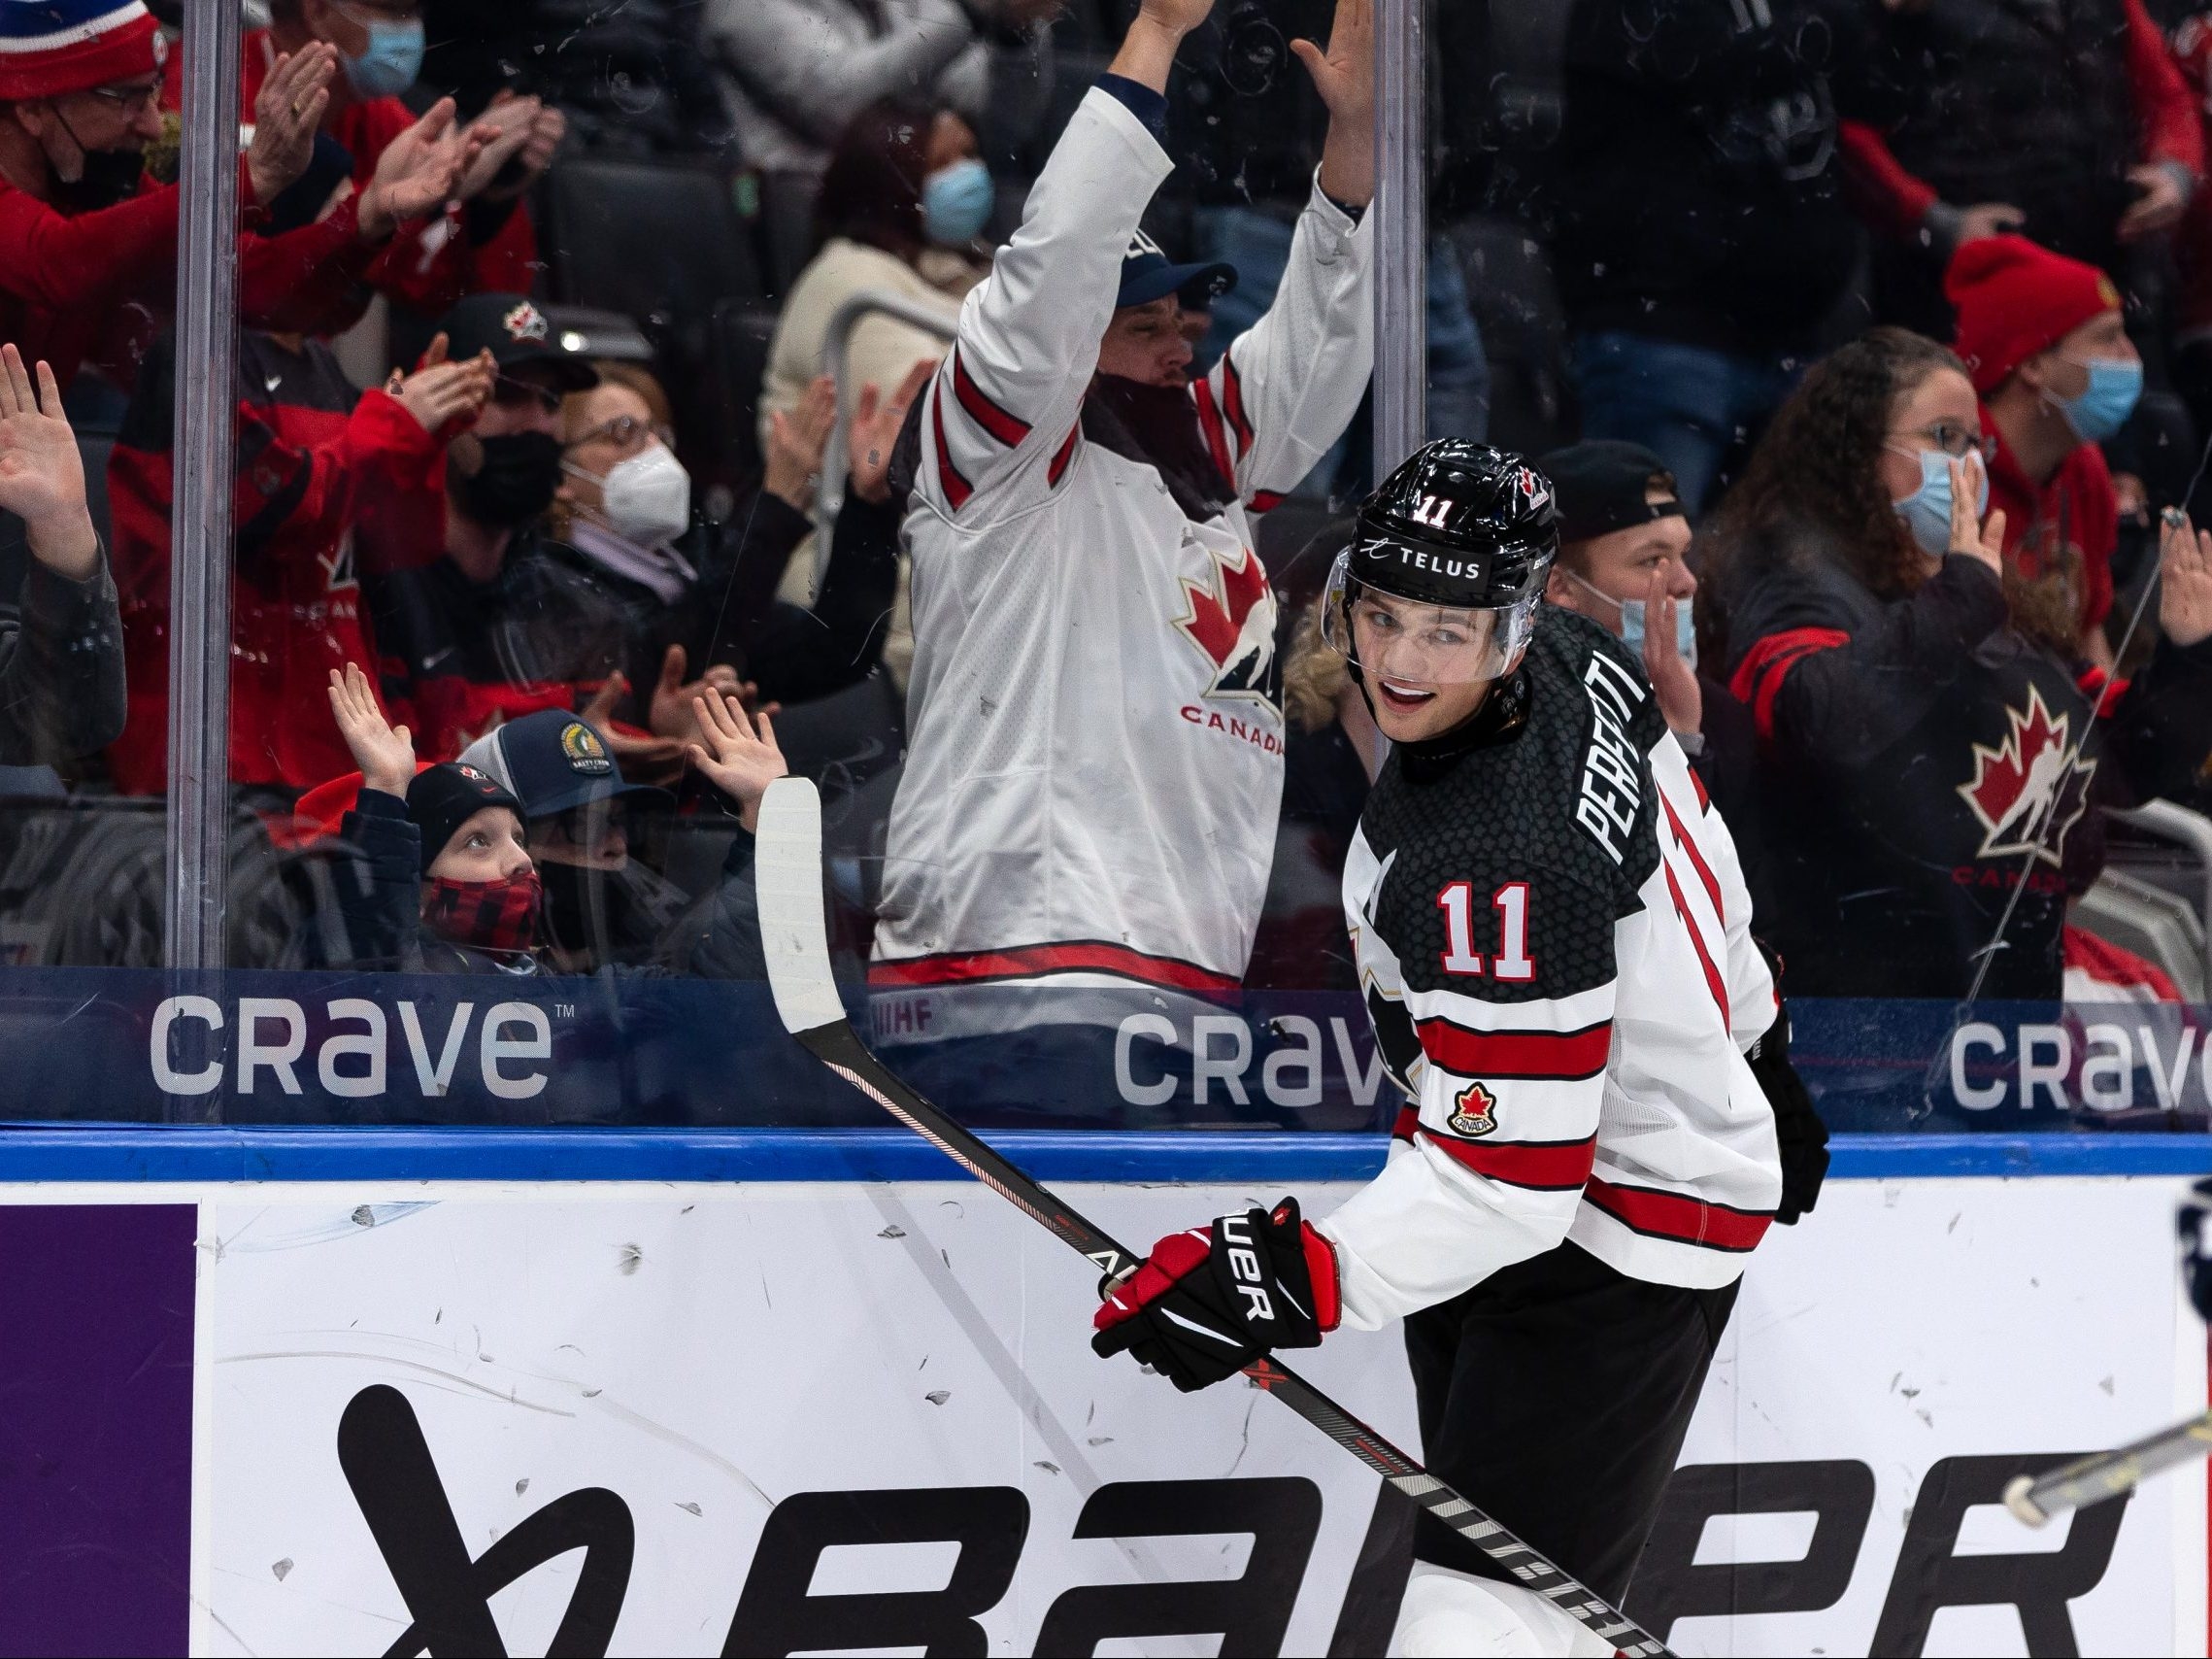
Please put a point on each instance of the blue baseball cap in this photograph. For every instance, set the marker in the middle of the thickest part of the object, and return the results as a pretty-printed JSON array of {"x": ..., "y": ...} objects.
[
  {"x": 553, "y": 761},
  {"x": 1148, "y": 274}
]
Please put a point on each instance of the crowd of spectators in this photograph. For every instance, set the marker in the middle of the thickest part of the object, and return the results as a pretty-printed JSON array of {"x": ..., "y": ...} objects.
[{"x": 1871, "y": 347}]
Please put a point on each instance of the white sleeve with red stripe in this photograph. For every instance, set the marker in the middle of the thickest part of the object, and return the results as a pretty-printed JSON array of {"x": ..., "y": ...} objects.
[
  {"x": 1003, "y": 410},
  {"x": 1469, "y": 1200},
  {"x": 1285, "y": 390},
  {"x": 1688, "y": 820}
]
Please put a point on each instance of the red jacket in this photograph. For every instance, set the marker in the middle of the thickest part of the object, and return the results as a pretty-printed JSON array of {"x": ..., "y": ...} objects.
[
  {"x": 2076, "y": 508},
  {"x": 316, "y": 460},
  {"x": 99, "y": 286}
]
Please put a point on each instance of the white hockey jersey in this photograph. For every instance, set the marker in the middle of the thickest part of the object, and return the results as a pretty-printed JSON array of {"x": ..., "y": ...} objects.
[
  {"x": 1095, "y": 757},
  {"x": 1553, "y": 933}
]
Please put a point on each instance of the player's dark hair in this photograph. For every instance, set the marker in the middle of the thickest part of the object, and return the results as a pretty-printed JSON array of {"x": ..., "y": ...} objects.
[{"x": 1818, "y": 467}]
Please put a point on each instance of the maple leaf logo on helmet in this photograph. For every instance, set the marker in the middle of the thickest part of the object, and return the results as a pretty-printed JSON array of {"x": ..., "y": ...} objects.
[
  {"x": 1231, "y": 619},
  {"x": 526, "y": 322},
  {"x": 2029, "y": 791}
]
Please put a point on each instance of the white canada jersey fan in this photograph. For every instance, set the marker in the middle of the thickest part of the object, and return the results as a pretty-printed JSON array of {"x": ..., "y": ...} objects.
[
  {"x": 1095, "y": 761},
  {"x": 1554, "y": 938}
]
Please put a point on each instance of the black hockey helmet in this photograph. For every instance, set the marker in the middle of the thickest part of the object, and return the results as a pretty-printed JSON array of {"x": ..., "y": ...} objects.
[{"x": 1458, "y": 529}]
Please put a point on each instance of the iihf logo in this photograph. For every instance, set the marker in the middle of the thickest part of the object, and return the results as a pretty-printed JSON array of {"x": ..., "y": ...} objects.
[{"x": 1475, "y": 1111}]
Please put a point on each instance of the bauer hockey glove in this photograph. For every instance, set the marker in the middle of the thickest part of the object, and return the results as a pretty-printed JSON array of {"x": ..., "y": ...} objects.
[{"x": 1212, "y": 1300}]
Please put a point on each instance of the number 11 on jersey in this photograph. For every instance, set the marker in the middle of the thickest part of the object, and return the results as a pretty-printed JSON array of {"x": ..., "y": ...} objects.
[{"x": 1512, "y": 964}]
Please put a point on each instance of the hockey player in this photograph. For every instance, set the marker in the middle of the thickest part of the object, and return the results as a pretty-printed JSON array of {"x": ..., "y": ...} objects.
[
  {"x": 1552, "y": 935},
  {"x": 1096, "y": 756}
]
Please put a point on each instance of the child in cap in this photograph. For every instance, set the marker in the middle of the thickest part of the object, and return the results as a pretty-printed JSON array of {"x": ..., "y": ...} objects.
[{"x": 451, "y": 886}]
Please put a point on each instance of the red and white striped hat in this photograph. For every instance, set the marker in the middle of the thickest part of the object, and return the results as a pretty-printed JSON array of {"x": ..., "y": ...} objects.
[{"x": 51, "y": 47}]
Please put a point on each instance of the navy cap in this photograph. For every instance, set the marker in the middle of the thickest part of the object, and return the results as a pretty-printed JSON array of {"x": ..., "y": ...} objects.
[
  {"x": 553, "y": 761},
  {"x": 1148, "y": 274}
]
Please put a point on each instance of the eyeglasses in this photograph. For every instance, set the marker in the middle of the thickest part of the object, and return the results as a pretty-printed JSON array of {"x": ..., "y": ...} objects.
[
  {"x": 627, "y": 433},
  {"x": 129, "y": 100},
  {"x": 1954, "y": 440},
  {"x": 511, "y": 393}
]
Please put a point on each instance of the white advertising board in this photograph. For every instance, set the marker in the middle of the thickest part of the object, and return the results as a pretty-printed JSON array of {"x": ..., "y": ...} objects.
[{"x": 780, "y": 1417}]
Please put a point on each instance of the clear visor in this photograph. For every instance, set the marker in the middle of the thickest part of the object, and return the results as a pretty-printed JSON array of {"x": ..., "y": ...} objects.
[{"x": 1415, "y": 643}]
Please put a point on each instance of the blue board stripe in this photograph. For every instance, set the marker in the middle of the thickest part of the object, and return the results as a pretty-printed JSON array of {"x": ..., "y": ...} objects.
[{"x": 136, "y": 1154}]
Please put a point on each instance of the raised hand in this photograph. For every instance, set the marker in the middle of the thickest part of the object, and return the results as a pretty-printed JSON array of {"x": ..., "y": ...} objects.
[
  {"x": 441, "y": 391},
  {"x": 796, "y": 441},
  {"x": 287, "y": 113},
  {"x": 547, "y": 131},
  {"x": 1673, "y": 680},
  {"x": 419, "y": 171},
  {"x": 2185, "y": 581},
  {"x": 385, "y": 753},
  {"x": 642, "y": 760},
  {"x": 876, "y": 423},
  {"x": 41, "y": 474},
  {"x": 1983, "y": 540},
  {"x": 736, "y": 754},
  {"x": 670, "y": 712},
  {"x": 1344, "y": 75},
  {"x": 506, "y": 123}
]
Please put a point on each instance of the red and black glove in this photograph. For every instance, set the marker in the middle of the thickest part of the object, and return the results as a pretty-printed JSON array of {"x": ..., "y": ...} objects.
[{"x": 1212, "y": 1300}]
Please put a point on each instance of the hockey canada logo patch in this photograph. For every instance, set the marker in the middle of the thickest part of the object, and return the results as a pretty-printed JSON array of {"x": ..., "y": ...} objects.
[
  {"x": 1231, "y": 619},
  {"x": 1474, "y": 1112},
  {"x": 2032, "y": 790}
]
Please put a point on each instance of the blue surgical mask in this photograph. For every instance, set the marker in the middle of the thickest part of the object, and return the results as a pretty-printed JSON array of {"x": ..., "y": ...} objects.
[
  {"x": 1927, "y": 510},
  {"x": 956, "y": 202},
  {"x": 392, "y": 62},
  {"x": 2105, "y": 403},
  {"x": 1633, "y": 621}
]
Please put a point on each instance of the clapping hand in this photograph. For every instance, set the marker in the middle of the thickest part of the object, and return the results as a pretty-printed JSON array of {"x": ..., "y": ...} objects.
[
  {"x": 2185, "y": 580},
  {"x": 522, "y": 129},
  {"x": 41, "y": 474},
  {"x": 385, "y": 753},
  {"x": 440, "y": 391},
  {"x": 735, "y": 753},
  {"x": 420, "y": 170},
  {"x": 287, "y": 114},
  {"x": 876, "y": 423},
  {"x": 796, "y": 441},
  {"x": 651, "y": 760}
]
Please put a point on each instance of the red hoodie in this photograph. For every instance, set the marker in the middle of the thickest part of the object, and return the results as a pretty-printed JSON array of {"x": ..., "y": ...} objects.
[
  {"x": 2075, "y": 508},
  {"x": 317, "y": 460}
]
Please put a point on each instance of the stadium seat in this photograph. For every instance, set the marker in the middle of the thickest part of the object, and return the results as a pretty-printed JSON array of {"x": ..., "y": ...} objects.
[
  {"x": 787, "y": 225},
  {"x": 659, "y": 242},
  {"x": 739, "y": 336}
]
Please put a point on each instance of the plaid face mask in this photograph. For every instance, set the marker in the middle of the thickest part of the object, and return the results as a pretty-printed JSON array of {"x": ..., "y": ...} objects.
[{"x": 487, "y": 915}]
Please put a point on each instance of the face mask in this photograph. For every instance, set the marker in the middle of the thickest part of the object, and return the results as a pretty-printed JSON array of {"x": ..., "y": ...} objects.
[
  {"x": 1927, "y": 510},
  {"x": 956, "y": 202},
  {"x": 1633, "y": 621},
  {"x": 483, "y": 915},
  {"x": 392, "y": 61},
  {"x": 2106, "y": 402},
  {"x": 647, "y": 497},
  {"x": 109, "y": 176},
  {"x": 516, "y": 484}
]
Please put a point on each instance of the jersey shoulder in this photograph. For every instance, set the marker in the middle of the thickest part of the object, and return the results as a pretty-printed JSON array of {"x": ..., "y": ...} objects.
[{"x": 1524, "y": 853}]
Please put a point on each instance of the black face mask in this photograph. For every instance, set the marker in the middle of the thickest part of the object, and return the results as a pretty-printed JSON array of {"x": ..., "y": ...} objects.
[
  {"x": 1159, "y": 424},
  {"x": 111, "y": 175},
  {"x": 516, "y": 484}
]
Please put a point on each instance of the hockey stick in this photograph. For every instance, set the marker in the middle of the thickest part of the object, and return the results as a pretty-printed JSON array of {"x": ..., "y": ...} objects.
[
  {"x": 795, "y": 938},
  {"x": 2036, "y": 1499}
]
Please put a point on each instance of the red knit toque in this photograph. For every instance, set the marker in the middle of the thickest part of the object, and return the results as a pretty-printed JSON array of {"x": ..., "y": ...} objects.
[
  {"x": 2014, "y": 299},
  {"x": 49, "y": 47}
]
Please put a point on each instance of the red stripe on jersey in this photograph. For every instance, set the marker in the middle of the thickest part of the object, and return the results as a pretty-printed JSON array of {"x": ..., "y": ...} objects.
[
  {"x": 1704, "y": 801},
  {"x": 1265, "y": 500},
  {"x": 958, "y": 489},
  {"x": 1567, "y": 1055},
  {"x": 1210, "y": 420},
  {"x": 2094, "y": 681},
  {"x": 1547, "y": 1166},
  {"x": 1671, "y": 1215},
  {"x": 1696, "y": 859},
  {"x": 1065, "y": 454},
  {"x": 1757, "y": 679},
  {"x": 1409, "y": 1120},
  {"x": 1704, "y": 957},
  {"x": 1232, "y": 403},
  {"x": 1031, "y": 962},
  {"x": 1009, "y": 429}
]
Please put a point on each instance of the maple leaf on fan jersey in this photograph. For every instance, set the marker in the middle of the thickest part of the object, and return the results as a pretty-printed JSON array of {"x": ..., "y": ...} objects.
[{"x": 2032, "y": 790}]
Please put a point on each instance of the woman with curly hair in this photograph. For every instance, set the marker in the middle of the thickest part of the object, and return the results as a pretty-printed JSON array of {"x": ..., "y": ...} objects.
[{"x": 1926, "y": 745}]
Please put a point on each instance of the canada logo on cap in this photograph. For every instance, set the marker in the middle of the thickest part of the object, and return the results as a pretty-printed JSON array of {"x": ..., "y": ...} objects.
[{"x": 526, "y": 322}]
